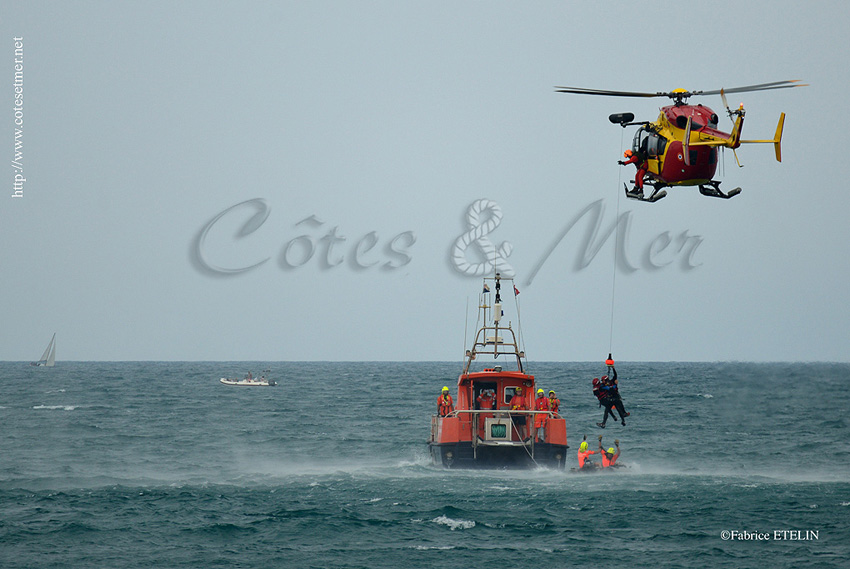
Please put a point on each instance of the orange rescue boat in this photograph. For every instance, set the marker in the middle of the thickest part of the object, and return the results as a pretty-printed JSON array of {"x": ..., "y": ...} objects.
[{"x": 494, "y": 422}]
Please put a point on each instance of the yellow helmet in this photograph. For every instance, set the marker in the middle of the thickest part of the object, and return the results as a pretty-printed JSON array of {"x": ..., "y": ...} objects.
[
  {"x": 539, "y": 391},
  {"x": 583, "y": 446},
  {"x": 445, "y": 388},
  {"x": 551, "y": 392},
  {"x": 611, "y": 450},
  {"x": 518, "y": 390}
]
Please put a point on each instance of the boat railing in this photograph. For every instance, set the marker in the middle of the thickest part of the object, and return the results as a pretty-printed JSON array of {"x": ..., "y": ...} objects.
[{"x": 498, "y": 412}]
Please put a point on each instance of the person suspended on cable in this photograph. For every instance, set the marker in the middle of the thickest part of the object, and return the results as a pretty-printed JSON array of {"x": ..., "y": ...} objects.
[
  {"x": 610, "y": 456},
  {"x": 445, "y": 404},
  {"x": 604, "y": 401},
  {"x": 612, "y": 388},
  {"x": 540, "y": 404}
]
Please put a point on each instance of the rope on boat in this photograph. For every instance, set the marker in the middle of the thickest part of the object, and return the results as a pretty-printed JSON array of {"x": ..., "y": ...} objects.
[{"x": 525, "y": 446}]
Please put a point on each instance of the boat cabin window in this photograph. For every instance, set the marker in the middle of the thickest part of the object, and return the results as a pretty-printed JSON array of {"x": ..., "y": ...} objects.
[
  {"x": 509, "y": 394},
  {"x": 647, "y": 143}
]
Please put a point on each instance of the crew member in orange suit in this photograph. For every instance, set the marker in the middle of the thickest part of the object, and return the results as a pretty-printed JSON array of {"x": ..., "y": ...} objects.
[
  {"x": 445, "y": 404},
  {"x": 609, "y": 457},
  {"x": 518, "y": 403},
  {"x": 584, "y": 453},
  {"x": 540, "y": 404}
]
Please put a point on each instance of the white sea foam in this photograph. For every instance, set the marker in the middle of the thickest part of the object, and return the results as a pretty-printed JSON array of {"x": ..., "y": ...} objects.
[
  {"x": 454, "y": 524},
  {"x": 53, "y": 407}
]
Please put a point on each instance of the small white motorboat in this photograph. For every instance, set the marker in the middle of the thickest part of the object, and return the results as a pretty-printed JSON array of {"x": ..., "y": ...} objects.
[{"x": 250, "y": 381}]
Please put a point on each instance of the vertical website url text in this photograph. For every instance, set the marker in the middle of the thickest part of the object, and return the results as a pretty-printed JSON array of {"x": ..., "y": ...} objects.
[{"x": 18, "y": 109}]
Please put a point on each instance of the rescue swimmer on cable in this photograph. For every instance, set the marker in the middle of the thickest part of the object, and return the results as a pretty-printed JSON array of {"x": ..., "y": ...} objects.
[{"x": 680, "y": 147}]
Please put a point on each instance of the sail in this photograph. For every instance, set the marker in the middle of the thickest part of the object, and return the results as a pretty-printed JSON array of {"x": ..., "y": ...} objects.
[
  {"x": 51, "y": 359},
  {"x": 48, "y": 358}
]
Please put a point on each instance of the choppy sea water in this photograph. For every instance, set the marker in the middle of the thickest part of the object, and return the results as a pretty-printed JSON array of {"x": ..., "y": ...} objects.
[{"x": 148, "y": 464}]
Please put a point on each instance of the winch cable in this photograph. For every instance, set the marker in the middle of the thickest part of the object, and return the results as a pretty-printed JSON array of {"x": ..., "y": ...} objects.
[{"x": 616, "y": 247}]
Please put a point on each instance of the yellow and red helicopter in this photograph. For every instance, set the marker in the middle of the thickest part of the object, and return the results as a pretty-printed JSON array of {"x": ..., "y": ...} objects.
[{"x": 680, "y": 148}]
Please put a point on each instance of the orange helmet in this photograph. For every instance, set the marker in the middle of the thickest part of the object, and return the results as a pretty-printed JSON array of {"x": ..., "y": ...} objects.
[{"x": 627, "y": 153}]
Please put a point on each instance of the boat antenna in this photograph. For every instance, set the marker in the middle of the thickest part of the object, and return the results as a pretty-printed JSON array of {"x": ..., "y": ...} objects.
[
  {"x": 497, "y": 315},
  {"x": 521, "y": 341},
  {"x": 465, "y": 324}
]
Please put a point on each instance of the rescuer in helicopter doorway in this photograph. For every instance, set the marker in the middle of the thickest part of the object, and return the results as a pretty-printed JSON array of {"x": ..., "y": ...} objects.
[{"x": 641, "y": 165}]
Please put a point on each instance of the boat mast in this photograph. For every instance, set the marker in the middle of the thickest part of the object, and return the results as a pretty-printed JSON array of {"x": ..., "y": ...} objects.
[{"x": 483, "y": 342}]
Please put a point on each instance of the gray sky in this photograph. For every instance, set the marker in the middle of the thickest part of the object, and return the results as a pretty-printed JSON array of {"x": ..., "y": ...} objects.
[{"x": 365, "y": 131}]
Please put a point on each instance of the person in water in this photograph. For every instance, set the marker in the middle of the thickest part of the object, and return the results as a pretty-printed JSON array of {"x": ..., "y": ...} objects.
[
  {"x": 554, "y": 403},
  {"x": 609, "y": 457},
  {"x": 604, "y": 401},
  {"x": 518, "y": 404},
  {"x": 540, "y": 404},
  {"x": 584, "y": 453},
  {"x": 445, "y": 404}
]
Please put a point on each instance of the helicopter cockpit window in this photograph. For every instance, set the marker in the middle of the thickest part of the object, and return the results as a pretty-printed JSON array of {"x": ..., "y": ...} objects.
[
  {"x": 682, "y": 122},
  {"x": 657, "y": 145},
  {"x": 647, "y": 143},
  {"x": 640, "y": 143}
]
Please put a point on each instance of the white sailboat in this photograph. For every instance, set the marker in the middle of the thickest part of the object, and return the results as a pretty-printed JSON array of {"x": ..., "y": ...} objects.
[{"x": 48, "y": 358}]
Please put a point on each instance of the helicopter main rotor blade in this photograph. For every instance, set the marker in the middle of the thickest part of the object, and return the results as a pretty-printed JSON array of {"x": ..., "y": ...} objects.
[
  {"x": 759, "y": 87},
  {"x": 584, "y": 91}
]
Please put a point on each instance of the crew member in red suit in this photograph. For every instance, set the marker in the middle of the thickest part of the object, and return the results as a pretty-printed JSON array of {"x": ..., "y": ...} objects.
[
  {"x": 518, "y": 403},
  {"x": 540, "y": 404},
  {"x": 641, "y": 165}
]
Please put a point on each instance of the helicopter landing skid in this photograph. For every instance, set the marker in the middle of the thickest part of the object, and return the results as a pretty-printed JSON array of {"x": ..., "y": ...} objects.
[
  {"x": 638, "y": 194},
  {"x": 714, "y": 191}
]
